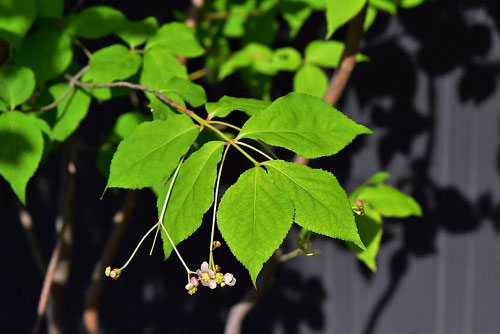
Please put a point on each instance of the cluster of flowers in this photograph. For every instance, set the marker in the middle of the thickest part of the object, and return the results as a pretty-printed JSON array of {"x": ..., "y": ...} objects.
[{"x": 207, "y": 277}]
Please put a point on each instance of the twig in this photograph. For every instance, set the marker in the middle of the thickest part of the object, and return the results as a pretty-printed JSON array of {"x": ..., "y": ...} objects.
[
  {"x": 71, "y": 85},
  {"x": 130, "y": 85},
  {"x": 197, "y": 74},
  {"x": 59, "y": 265},
  {"x": 27, "y": 223},
  {"x": 120, "y": 221},
  {"x": 342, "y": 74}
]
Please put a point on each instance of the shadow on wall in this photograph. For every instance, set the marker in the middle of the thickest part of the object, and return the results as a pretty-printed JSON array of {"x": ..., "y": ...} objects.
[{"x": 448, "y": 41}]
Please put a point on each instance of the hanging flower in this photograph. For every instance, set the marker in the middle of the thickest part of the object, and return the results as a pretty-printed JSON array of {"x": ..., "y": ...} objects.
[
  {"x": 114, "y": 274},
  {"x": 192, "y": 286},
  {"x": 206, "y": 276},
  {"x": 229, "y": 280}
]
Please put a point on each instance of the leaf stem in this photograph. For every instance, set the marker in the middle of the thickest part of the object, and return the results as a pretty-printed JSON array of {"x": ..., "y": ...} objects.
[
  {"x": 164, "y": 209},
  {"x": 229, "y": 125},
  {"x": 211, "y": 256},
  {"x": 255, "y": 149},
  {"x": 138, "y": 245},
  {"x": 175, "y": 249}
]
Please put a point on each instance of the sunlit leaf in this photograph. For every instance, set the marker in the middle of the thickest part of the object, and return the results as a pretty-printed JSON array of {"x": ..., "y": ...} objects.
[{"x": 254, "y": 217}]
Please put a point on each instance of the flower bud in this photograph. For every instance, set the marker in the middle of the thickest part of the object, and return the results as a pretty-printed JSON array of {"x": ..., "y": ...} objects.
[
  {"x": 217, "y": 244},
  {"x": 219, "y": 278}
]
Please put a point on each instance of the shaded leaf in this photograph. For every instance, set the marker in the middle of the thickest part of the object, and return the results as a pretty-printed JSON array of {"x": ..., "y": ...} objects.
[
  {"x": 370, "y": 230},
  {"x": 304, "y": 124},
  {"x": 151, "y": 152},
  {"x": 21, "y": 150},
  {"x": 52, "y": 9},
  {"x": 16, "y": 17},
  {"x": 321, "y": 205},
  {"x": 254, "y": 217},
  {"x": 192, "y": 194},
  {"x": 47, "y": 52}
]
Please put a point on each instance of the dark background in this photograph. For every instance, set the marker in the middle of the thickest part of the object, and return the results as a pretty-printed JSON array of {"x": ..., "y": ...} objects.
[{"x": 430, "y": 94}]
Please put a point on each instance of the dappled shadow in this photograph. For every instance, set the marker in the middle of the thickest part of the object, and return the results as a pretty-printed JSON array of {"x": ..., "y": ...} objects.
[{"x": 16, "y": 146}]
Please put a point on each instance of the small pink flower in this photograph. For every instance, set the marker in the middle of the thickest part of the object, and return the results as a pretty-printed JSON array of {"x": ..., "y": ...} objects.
[
  {"x": 359, "y": 202},
  {"x": 191, "y": 287},
  {"x": 229, "y": 279},
  {"x": 206, "y": 276}
]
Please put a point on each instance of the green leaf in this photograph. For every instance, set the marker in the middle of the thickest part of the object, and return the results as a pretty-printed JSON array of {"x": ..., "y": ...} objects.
[
  {"x": 176, "y": 38},
  {"x": 70, "y": 112},
  {"x": 256, "y": 54},
  {"x": 112, "y": 63},
  {"x": 339, "y": 12},
  {"x": 295, "y": 13},
  {"x": 371, "y": 15},
  {"x": 94, "y": 22},
  {"x": 16, "y": 85},
  {"x": 311, "y": 80},
  {"x": 16, "y": 17},
  {"x": 328, "y": 53},
  {"x": 390, "y": 202},
  {"x": 321, "y": 205},
  {"x": 262, "y": 59},
  {"x": 151, "y": 152},
  {"x": 390, "y": 6},
  {"x": 304, "y": 124},
  {"x": 286, "y": 59},
  {"x": 21, "y": 150},
  {"x": 190, "y": 92},
  {"x": 161, "y": 110},
  {"x": 52, "y": 9},
  {"x": 254, "y": 217},
  {"x": 226, "y": 104},
  {"x": 411, "y": 3},
  {"x": 160, "y": 66},
  {"x": 192, "y": 194},
  {"x": 135, "y": 33},
  {"x": 126, "y": 123},
  {"x": 47, "y": 52},
  {"x": 234, "y": 26},
  {"x": 370, "y": 230},
  {"x": 324, "y": 53}
]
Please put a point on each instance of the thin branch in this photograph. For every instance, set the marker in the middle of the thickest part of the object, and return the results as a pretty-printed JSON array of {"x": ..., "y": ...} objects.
[
  {"x": 343, "y": 72},
  {"x": 27, "y": 223},
  {"x": 171, "y": 103},
  {"x": 94, "y": 292},
  {"x": 60, "y": 261},
  {"x": 130, "y": 85},
  {"x": 71, "y": 85}
]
